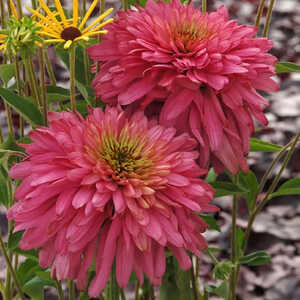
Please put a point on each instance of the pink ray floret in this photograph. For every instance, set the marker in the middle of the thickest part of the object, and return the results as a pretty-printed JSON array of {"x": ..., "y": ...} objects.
[
  {"x": 203, "y": 71},
  {"x": 110, "y": 188}
]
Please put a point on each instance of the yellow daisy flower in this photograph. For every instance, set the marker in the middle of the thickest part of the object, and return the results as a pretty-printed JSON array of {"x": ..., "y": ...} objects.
[{"x": 59, "y": 29}]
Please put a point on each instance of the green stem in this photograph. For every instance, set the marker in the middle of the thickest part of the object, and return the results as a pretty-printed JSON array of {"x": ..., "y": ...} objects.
[
  {"x": 125, "y": 5},
  {"x": 19, "y": 9},
  {"x": 137, "y": 289},
  {"x": 11, "y": 269},
  {"x": 59, "y": 290},
  {"x": 19, "y": 86},
  {"x": 71, "y": 290},
  {"x": 194, "y": 285},
  {"x": 31, "y": 82},
  {"x": 204, "y": 6},
  {"x": 72, "y": 77},
  {"x": 212, "y": 257},
  {"x": 102, "y": 8},
  {"x": 9, "y": 119},
  {"x": 35, "y": 83},
  {"x": 33, "y": 4},
  {"x": 43, "y": 85},
  {"x": 49, "y": 67},
  {"x": 268, "y": 19},
  {"x": 233, "y": 243},
  {"x": 259, "y": 12},
  {"x": 122, "y": 294}
]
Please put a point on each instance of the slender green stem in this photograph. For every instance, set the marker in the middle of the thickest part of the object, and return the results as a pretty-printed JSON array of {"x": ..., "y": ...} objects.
[
  {"x": 72, "y": 77},
  {"x": 34, "y": 78},
  {"x": 233, "y": 243},
  {"x": 271, "y": 167},
  {"x": 1, "y": 136},
  {"x": 19, "y": 87},
  {"x": 49, "y": 67},
  {"x": 33, "y": 3},
  {"x": 43, "y": 85},
  {"x": 2, "y": 14},
  {"x": 9, "y": 119},
  {"x": 137, "y": 289},
  {"x": 194, "y": 285},
  {"x": 125, "y": 4},
  {"x": 83, "y": 7},
  {"x": 259, "y": 12},
  {"x": 31, "y": 81},
  {"x": 204, "y": 6},
  {"x": 268, "y": 19},
  {"x": 9, "y": 266},
  {"x": 19, "y": 9},
  {"x": 71, "y": 290},
  {"x": 212, "y": 257},
  {"x": 102, "y": 8},
  {"x": 59, "y": 290},
  {"x": 122, "y": 294}
]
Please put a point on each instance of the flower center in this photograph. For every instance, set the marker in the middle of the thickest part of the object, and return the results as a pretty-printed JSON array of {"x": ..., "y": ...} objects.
[{"x": 70, "y": 33}]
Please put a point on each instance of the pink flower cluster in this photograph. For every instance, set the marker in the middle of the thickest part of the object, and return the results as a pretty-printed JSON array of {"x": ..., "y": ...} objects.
[
  {"x": 201, "y": 70},
  {"x": 122, "y": 186}
]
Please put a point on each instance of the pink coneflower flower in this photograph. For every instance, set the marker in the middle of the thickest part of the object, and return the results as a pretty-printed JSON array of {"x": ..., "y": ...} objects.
[
  {"x": 202, "y": 68},
  {"x": 111, "y": 187}
]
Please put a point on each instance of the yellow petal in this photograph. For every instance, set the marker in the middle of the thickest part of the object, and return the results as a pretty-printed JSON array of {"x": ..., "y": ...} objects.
[
  {"x": 99, "y": 19},
  {"x": 88, "y": 13},
  {"x": 82, "y": 37},
  {"x": 49, "y": 13},
  {"x": 67, "y": 44},
  {"x": 52, "y": 34},
  {"x": 102, "y": 24},
  {"x": 95, "y": 32},
  {"x": 75, "y": 12},
  {"x": 60, "y": 11},
  {"x": 54, "y": 41},
  {"x": 13, "y": 9}
]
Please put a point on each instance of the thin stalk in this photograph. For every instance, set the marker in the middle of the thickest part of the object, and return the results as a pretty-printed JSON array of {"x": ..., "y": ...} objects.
[
  {"x": 49, "y": 67},
  {"x": 102, "y": 8},
  {"x": 122, "y": 294},
  {"x": 19, "y": 87},
  {"x": 19, "y": 9},
  {"x": 9, "y": 119},
  {"x": 259, "y": 12},
  {"x": 37, "y": 91},
  {"x": 31, "y": 81},
  {"x": 71, "y": 290},
  {"x": 86, "y": 62},
  {"x": 152, "y": 297},
  {"x": 194, "y": 285},
  {"x": 1, "y": 136},
  {"x": 59, "y": 290},
  {"x": 43, "y": 85},
  {"x": 33, "y": 4},
  {"x": 125, "y": 4},
  {"x": 72, "y": 77},
  {"x": 271, "y": 167},
  {"x": 204, "y": 6},
  {"x": 212, "y": 257},
  {"x": 11, "y": 269},
  {"x": 233, "y": 244},
  {"x": 2, "y": 14},
  {"x": 268, "y": 19},
  {"x": 137, "y": 289}
]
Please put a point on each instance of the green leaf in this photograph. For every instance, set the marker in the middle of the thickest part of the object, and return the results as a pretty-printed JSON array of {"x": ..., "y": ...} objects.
[
  {"x": 7, "y": 72},
  {"x": 27, "y": 269},
  {"x": 211, "y": 176},
  {"x": 14, "y": 240},
  {"x": 4, "y": 195},
  {"x": 31, "y": 254},
  {"x": 255, "y": 259},
  {"x": 23, "y": 106},
  {"x": 57, "y": 94},
  {"x": 35, "y": 288},
  {"x": 226, "y": 188},
  {"x": 287, "y": 67},
  {"x": 250, "y": 183},
  {"x": 45, "y": 275},
  {"x": 222, "y": 270},
  {"x": 257, "y": 145},
  {"x": 87, "y": 92},
  {"x": 222, "y": 290},
  {"x": 290, "y": 187},
  {"x": 211, "y": 221}
]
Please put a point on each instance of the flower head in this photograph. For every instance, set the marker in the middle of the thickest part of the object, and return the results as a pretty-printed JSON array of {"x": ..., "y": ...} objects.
[
  {"x": 20, "y": 35},
  {"x": 58, "y": 28},
  {"x": 119, "y": 184},
  {"x": 201, "y": 69}
]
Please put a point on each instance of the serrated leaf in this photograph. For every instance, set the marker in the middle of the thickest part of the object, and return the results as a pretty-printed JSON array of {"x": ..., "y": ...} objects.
[
  {"x": 211, "y": 221},
  {"x": 257, "y": 145},
  {"x": 290, "y": 187},
  {"x": 255, "y": 259},
  {"x": 14, "y": 240},
  {"x": 7, "y": 72},
  {"x": 249, "y": 182},
  {"x": 286, "y": 67},
  {"x": 23, "y": 106},
  {"x": 226, "y": 188}
]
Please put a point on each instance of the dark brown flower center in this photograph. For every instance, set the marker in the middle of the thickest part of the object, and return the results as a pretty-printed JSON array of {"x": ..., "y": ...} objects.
[{"x": 70, "y": 33}]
